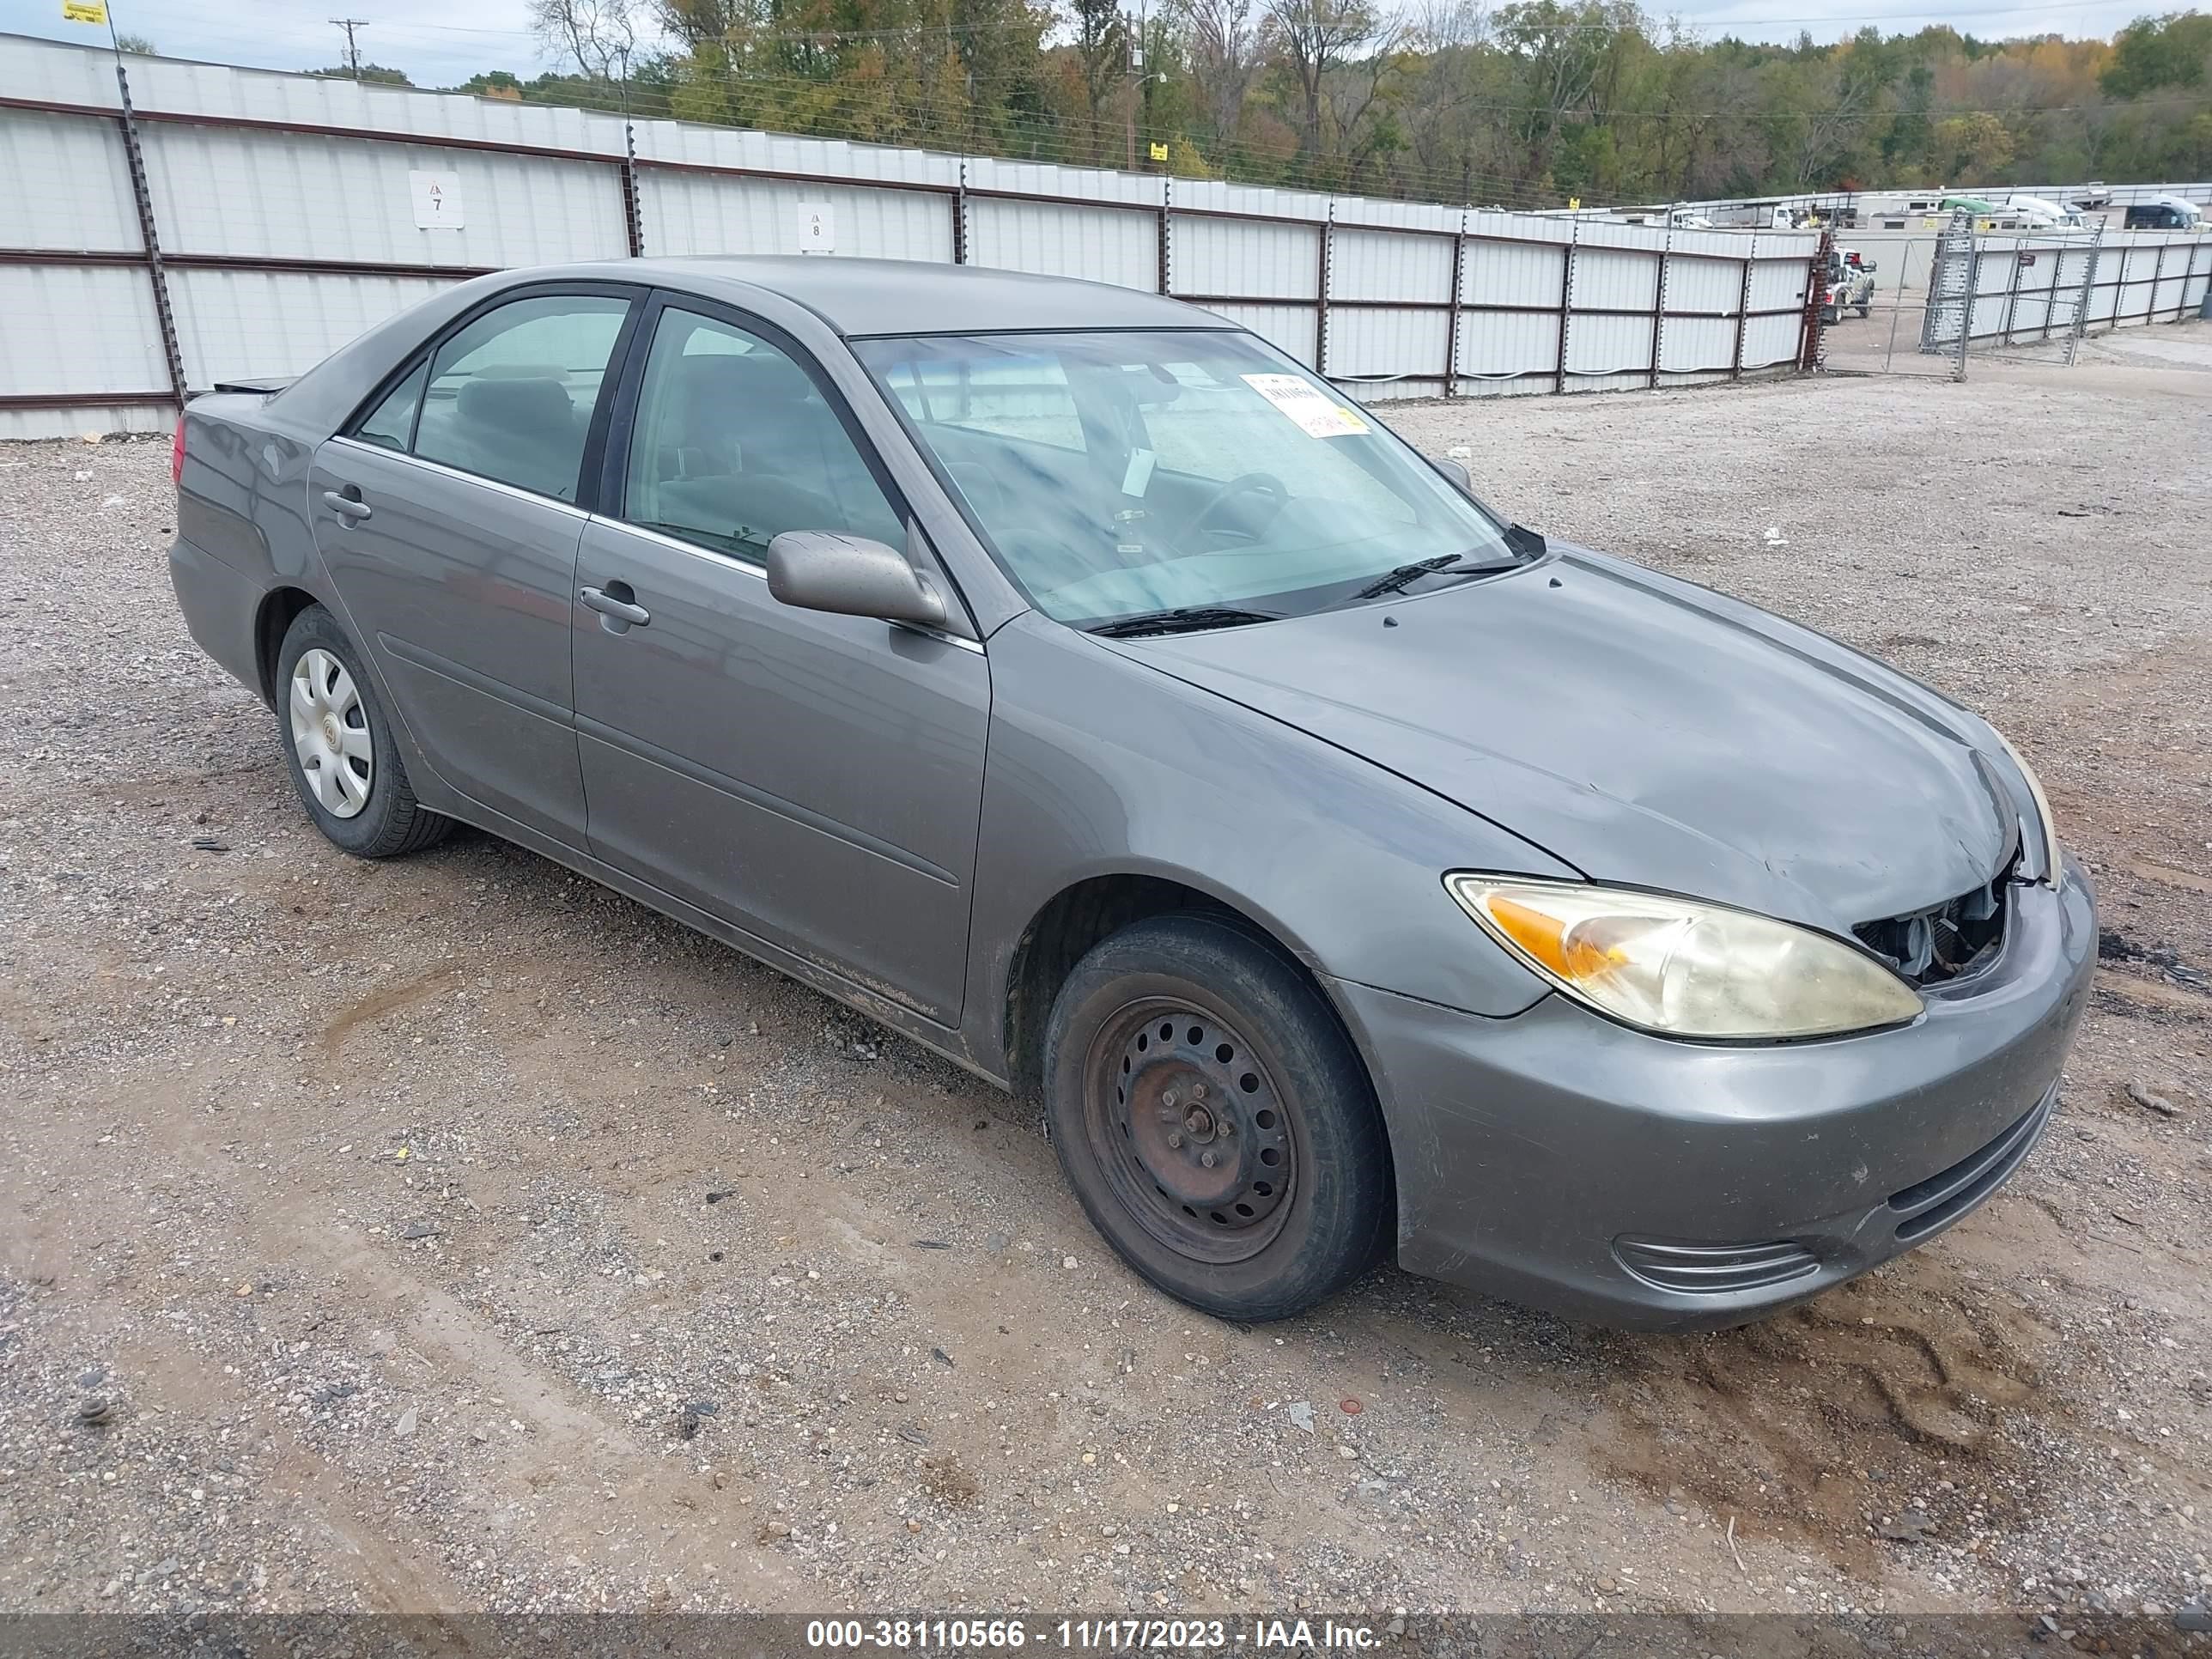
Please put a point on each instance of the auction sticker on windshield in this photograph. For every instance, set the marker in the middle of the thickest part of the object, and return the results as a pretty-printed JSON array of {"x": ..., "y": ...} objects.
[{"x": 1306, "y": 404}]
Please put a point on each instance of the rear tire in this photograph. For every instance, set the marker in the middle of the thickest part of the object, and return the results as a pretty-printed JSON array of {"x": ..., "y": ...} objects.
[
  {"x": 338, "y": 744},
  {"x": 1214, "y": 1119}
]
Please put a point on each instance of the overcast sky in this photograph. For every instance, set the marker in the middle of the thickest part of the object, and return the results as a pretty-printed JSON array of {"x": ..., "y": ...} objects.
[{"x": 422, "y": 38}]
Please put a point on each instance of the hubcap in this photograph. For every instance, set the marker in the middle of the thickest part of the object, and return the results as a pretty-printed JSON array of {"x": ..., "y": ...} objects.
[
  {"x": 330, "y": 733},
  {"x": 1185, "y": 1117}
]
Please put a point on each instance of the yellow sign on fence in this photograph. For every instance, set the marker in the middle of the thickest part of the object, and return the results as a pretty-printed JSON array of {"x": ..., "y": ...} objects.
[
  {"x": 84, "y": 11},
  {"x": 1159, "y": 152}
]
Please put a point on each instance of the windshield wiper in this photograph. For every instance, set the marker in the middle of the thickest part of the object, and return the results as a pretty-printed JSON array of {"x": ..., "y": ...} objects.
[
  {"x": 1182, "y": 619},
  {"x": 1444, "y": 564}
]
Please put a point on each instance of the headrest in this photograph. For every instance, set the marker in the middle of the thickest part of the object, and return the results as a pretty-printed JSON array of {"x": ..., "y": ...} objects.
[
  {"x": 517, "y": 406},
  {"x": 723, "y": 380}
]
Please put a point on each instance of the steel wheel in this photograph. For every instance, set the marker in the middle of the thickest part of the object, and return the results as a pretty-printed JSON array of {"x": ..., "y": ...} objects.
[
  {"x": 330, "y": 733},
  {"x": 1187, "y": 1121}
]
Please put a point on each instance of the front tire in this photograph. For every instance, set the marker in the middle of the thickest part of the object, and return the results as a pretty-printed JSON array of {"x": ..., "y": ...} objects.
[
  {"x": 337, "y": 746},
  {"x": 1214, "y": 1119}
]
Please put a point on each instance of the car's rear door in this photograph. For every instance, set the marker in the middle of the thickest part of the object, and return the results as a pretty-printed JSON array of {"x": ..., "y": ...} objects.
[
  {"x": 814, "y": 779},
  {"x": 448, "y": 514}
]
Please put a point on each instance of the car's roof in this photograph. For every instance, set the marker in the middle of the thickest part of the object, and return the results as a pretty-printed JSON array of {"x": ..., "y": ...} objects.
[{"x": 904, "y": 296}]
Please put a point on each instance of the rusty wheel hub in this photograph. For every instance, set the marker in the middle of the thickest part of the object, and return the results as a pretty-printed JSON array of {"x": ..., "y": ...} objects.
[{"x": 1193, "y": 1130}]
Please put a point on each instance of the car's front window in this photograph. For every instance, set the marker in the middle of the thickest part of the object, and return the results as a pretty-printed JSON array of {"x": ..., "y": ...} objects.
[{"x": 1118, "y": 474}]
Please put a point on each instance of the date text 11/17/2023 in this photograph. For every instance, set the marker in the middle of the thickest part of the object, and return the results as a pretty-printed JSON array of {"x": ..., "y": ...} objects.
[{"x": 1203, "y": 1635}]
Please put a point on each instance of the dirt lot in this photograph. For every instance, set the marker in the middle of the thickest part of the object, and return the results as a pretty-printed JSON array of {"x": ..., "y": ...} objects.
[{"x": 454, "y": 1234}]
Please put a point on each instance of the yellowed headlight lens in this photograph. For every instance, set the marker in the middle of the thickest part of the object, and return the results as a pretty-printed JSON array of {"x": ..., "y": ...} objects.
[
  {"x": 1683, "y": 967},
  {"x": 2056, "y": 873}
]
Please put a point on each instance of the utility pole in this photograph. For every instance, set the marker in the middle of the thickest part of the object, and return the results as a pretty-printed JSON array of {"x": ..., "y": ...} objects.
[{"x": 353, "y": 52}]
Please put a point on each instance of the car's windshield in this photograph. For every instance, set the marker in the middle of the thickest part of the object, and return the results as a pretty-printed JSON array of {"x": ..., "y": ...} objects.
[{"x": 1118, "y": 474}]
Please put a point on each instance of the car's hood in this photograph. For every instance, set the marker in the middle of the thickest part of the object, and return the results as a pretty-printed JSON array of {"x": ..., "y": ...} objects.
[{"x": 1644, "y": 731}]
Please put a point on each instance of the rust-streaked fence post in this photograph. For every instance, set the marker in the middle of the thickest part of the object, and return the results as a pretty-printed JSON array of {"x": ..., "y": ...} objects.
[
  {"x": 633, "y": 219},
  {"x": 1161, "y": 279},
  {"x": 166, "y": 318},
  {"x": 1566, "y": 302},
  {"x": 1451, "y": 317},
  {"x": 959, "y": 201},
  {"x": 1321, "y": 292},
  {"x": 1659, "y": 301}
]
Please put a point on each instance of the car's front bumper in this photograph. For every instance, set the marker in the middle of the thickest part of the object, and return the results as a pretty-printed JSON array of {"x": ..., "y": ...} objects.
[{"x": 1537, "y": 1156}]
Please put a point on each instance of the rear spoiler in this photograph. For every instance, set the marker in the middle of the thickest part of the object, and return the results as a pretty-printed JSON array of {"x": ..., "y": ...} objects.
[{"x": 262, "y": 387}]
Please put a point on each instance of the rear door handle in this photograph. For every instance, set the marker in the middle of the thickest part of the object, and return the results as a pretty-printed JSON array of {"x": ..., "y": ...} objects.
[
  {"x": 619, "y": 607},
  {"x": 347, "y": 503}
]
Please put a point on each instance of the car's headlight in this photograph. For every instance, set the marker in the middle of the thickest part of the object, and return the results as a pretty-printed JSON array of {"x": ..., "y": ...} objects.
[
  {"x": 2054, "y": 863},
  {"x": 1682, "y": 967}
]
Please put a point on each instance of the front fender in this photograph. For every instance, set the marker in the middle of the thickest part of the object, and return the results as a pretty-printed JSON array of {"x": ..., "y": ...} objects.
[{"x": 1102, "y": 765}]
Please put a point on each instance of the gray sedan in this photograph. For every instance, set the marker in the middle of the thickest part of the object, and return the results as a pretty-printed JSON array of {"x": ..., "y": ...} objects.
[{"x": 1069, "y": 680}]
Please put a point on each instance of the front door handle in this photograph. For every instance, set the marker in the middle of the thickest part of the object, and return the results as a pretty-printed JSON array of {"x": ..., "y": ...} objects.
[
  {"x": 617, "y": 605},
  {"x": 347, "y": 503}
]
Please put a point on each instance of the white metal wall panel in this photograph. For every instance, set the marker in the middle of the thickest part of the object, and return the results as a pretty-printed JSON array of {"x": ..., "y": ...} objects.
[
  {"x": 1506, "y": 346},
  {"x": 1521, "y": 226},
  {"x": 686, "y": 213},
  {"x": 232, "y": 323},
  {"x": 1511, "y": 273},
  {"x": 302, "y": 196},
  {"x": 166, "y": 84},
  {"x": 1221, "y": 196},
  {"x": 1768, "y": 340},
  {"x": 1103, "y": 245},
  {"x": 1288, "y": 328},
  {"x": 1689, "y": 343},
  {"x": 56, "y": 72},
  {"x": 68, "y": 184},
  {"x": 2103, "y": 301},
  {"x": 1607, "y": 279},
  {"x": 1243, "y": 256},
  {"x": 1377, "y": 344},
  {"x": 1046, "y": 179},
  {"x": 735, "y": 151},
  {"x": 1603, "y": 346},
  {"x": 58, "y": 420},
  {"x": 78, "y": 328},
  {"x": 1776, "y": 283},
  {"x": 1377, "y": 264},
  {"x": 1704, "y": 284}
]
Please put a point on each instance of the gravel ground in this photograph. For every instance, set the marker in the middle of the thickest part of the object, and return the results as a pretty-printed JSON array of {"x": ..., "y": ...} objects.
[{"x": 454, "y": 1234}]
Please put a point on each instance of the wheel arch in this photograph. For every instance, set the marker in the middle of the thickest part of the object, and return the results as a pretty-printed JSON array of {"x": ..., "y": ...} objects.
[
  {"x": 1065, "y": 928},
  {"x": 279, "y": 609}
]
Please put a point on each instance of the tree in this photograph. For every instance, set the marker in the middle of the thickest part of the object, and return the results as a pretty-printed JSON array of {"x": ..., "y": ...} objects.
[
  {"x": 137, "y": 43},
  {"x": 1314, "y": 38},
  {"x": 375, "y": 75},
  {"x": 1101, "y": 54},
  {"x": 2153, "y": 53},
  {"x": 494, "y": 83},
  {"x": 598, "y": 36},
  {"x": 1973, "y": 147},
  {"x": 1224, "y": 48}
]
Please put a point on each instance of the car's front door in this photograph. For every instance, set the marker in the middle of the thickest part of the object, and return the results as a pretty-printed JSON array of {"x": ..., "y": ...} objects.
[
  {"x": 813, "y": 779},
  {"x": 449, "y": 516}
]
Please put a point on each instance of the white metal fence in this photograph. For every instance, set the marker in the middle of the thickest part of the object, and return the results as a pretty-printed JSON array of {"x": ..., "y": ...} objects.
[{"x": 245, "y": 223}]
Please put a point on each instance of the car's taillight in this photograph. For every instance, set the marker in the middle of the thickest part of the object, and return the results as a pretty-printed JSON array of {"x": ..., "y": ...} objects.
[{"x": 177, "y": 453}]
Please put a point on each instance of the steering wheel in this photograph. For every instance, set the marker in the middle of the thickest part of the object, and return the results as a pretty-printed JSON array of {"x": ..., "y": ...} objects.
[{"x": 1264, "y": 484}]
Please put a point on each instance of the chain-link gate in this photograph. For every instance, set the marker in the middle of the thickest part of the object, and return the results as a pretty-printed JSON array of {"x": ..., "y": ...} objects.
[
  {"x": 1986, "y": 290},
  {"x": 1953, "y": 274}
]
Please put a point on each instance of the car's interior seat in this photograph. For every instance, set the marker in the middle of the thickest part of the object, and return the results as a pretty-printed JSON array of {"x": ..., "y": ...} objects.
[
  {"x": 523, "y": 430},
  {"x": 752, "y": 441}
]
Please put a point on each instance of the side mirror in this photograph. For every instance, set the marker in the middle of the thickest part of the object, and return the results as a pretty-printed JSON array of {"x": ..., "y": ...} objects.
[
  {"x": 1455, "y": 472},
  {"x": 1870, "y": 265},
  {"x": 852, "y": 577}
]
